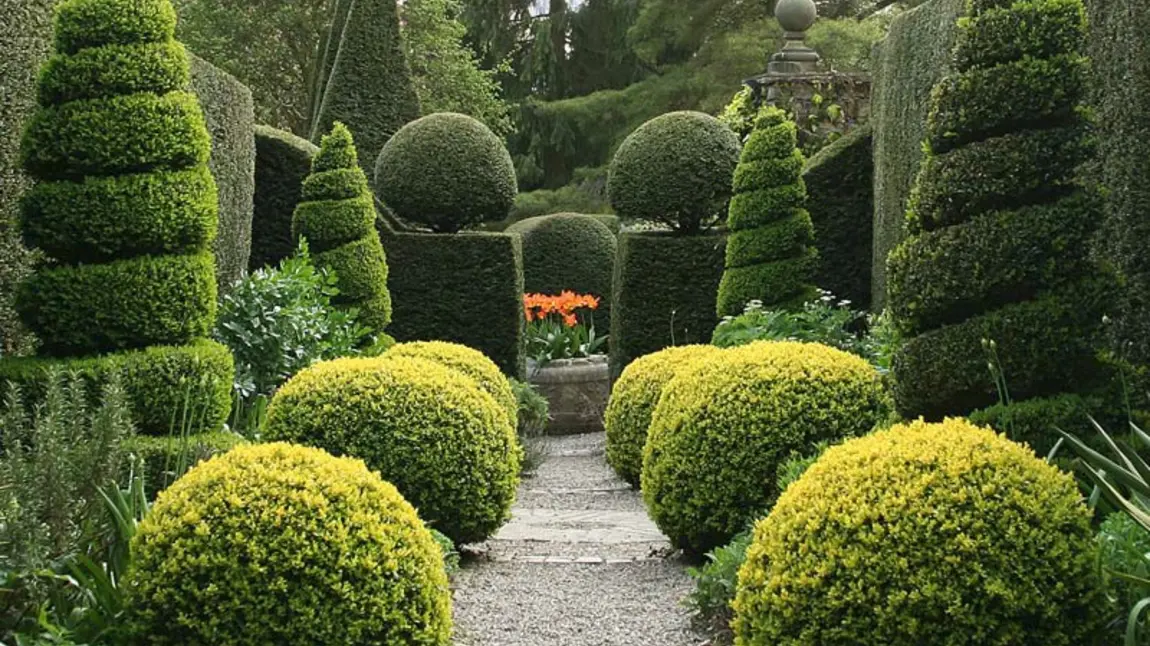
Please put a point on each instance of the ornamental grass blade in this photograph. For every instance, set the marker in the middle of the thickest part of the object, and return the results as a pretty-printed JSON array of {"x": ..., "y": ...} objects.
[
  {"x": 1132, "y": 621},
  {"x": 1113, "y": 446}
]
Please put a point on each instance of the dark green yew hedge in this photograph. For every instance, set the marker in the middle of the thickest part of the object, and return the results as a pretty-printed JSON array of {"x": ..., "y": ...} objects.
[{"x": 283, "y": 161}]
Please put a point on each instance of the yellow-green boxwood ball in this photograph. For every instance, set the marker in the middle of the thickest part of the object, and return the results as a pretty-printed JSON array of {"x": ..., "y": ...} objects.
[
  {"x": 471, "y": 362},
  {"x": 282, "y": 544},
  {"x": 447, "y": 445},
  {"x": 923, "y": 534},
  {"x": 724, "y": 425}
]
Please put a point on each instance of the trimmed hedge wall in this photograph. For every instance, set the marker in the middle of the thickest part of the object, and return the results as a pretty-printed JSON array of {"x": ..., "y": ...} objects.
[
  {"x": 230, "y": 114},
  {"x": 840, "y": 199},
  {"x": 664, "y": 293},
  {"x": 907, "y": 64},
  {"x": 465, "y": 288},
  {"x": 283, "y": 161}
]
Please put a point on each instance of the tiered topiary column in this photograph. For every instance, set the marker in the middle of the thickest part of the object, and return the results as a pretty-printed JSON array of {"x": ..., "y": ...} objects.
[
  {"x": 337, "y": 217},
  {"x": 124, "y": 209},
  {"x": 769, "y": 252},
  {"x": 1000, "y": 229}
]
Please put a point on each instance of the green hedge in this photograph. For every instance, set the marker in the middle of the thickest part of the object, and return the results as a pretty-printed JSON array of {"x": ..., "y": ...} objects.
[
  {"x": 162, "y": 458},
  {"x": 840, "y": 199},
  {"x": 907, "y": 64},
  {"x": 465, "y": 288},
  {"x": 283, "y": 160},
  {"x": 230, "y": 114},
  {"x": 664, "y": 293}
]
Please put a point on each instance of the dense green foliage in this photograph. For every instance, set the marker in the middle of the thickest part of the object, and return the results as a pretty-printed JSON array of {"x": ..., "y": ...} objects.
[
  {"x": 278, "y": 550},
  {"x": 388, "y": 411},
  {"x": 633, "y": 398},
  {"x": 724, "y": 424},
  {"x": 1000, "y": 231},
  {"x": 675, "y": 170},
  {"x": 472, "y": 363},
  {"x": 840, "y": 199},
  {"x": 1123, "y": 546},
  {"x": 663, "y": 293},
  {"x": 230, "y": 116},
  {"x": 923, "y": 533},
  {"x": 283, "y": 161},
  {"x": 446, "y": 172},
  {"x": 368, "y": 87},
  {"x": 770, "y": 257},
  {"x": 569, "y": 251},
  {"x": 337, "y": 217},
  {"x": 467, "y": 289},
  {"x": 163, "y": 459},
  {"x": 907, "y": 65}
]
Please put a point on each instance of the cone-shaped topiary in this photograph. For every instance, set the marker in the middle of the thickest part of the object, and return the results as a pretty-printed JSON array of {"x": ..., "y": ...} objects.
[
  {"x": 923, "y": 534},
  {"x": 337, "y": 216},
  {"x": 1000, "y": 230},
  {"x": 125, "y": 208},
  {"x": 471, "y": 362},
  {"x": 281, "y": 544},
  {"x": 770, "y": 257}
]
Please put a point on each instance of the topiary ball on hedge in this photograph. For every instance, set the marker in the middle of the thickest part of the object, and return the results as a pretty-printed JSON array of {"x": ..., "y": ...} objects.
[
  {"x": 446, "y": 172},
  {"x": 633, "y": 398},
  {"x": 281, "y": 544},
  {"x": 923, "y": 534},
  {"x": 676, "y": 170},
  {"x": 471, "y": 362},
  {"x": 724, "y": 425},
  {"x": 447, "y": 445}
]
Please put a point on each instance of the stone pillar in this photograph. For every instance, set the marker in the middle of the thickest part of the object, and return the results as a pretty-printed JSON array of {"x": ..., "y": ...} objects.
[{"x": 796, "y": 17}]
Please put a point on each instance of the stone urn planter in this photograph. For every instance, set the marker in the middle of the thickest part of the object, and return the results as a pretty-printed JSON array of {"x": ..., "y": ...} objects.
[{"x": 577, "y": 391}]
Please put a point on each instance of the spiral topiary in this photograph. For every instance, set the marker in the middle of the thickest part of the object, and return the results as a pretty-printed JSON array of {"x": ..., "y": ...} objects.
[
  {"x": 633, "y": 398},
  {"x": 448, "y": 446},
  {"x": 446, "y": 172},
  {"x": 337, "y": 216},
  {"x": 725, "y": 423},
  {"x": 675, "y": 170},
  {"x": 770, "y": 257},
  {"x": 1000, "y": 229},
  {"x": 281, "y": 544},
  {"x": 472, "y": 363},
  {"x": 923, "y": 534}
]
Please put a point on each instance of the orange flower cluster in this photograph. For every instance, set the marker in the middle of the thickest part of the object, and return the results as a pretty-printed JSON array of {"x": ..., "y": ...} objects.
[{"x": 540, "y": 306}]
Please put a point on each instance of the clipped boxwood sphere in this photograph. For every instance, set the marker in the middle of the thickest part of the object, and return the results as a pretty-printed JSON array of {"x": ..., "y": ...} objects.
[
  {"x": 922, "y": 534},
  {"x": 471, "y": 362},
  {"x": 675, "y": 170},
  {"x": 633, "y": 399},
  {"x": 723, "y": 426},
  {"x": 447, "y": 445},
  {"x": 281, "y": 544},
  {"x": 446, "y": 171}
]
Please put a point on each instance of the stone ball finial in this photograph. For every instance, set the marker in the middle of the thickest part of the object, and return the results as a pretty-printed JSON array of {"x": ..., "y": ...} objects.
[{"x": 796, "y": 15}]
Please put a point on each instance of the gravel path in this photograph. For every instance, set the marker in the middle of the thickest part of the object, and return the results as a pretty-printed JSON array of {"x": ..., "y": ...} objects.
[{"x": 580, "y": 564}]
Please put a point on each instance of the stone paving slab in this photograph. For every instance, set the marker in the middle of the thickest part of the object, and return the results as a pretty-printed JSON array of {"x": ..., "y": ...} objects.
[{"x": 580, "y": 526}]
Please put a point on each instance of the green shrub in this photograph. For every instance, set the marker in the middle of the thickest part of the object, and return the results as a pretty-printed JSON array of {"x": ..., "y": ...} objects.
[
  {"x": 770, "y": 257},
  {"x": 230, "y": 115},
  {"x": 446, "y": 172},
  {"x": 633, "y": 398},
  {"x": 663, "y": 293},
  {"x": 472, "y": 363},
  {"x": 675, "y": 170},
  {"x": 568, "y": 251},
  {"x": 534, "y": 414},
  {"x": 283, "y": 161},
  {"x": 337, "y": 217},
  {"x": 840, "y": 190},
  {"x": 467, "y": 289},
  {"x": 164, "y": 459},
  {"x": 389, "y": 411},
  {"x": 923, "y": 533},
  {"x": 279, "y": 565},
  {"x": 724, "y": 424},
  {"x": 1000, "y": 229}
]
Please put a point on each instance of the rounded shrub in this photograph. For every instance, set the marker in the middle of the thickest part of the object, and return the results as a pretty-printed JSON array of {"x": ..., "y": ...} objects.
[
  {"x": 725, "y": 423},
  {"x": 633, "y": 398},
  {"x": 475, "y": 365},
  {"x": 447, "y": 172},
  {"x": 447, "y": 445},
  {"x": 923, "y": 534},
  {"x": 281, "y": 544},
  {"x": 676, "y": 170}
]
